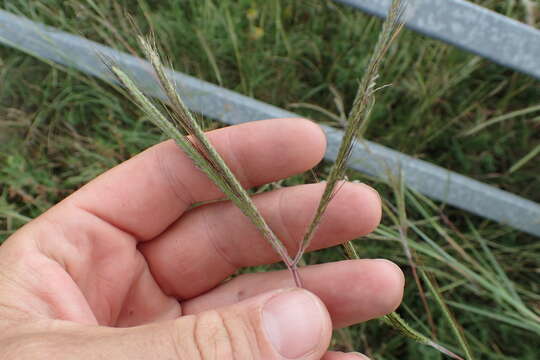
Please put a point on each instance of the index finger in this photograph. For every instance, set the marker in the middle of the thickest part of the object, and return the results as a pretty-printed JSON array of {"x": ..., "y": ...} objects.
[{"x": 147, "y": 193}]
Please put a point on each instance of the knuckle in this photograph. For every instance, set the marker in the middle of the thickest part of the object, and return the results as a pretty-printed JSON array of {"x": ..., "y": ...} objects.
[
  {"x": 212, "y": 337},
  {"x": 217, "y": 335}
]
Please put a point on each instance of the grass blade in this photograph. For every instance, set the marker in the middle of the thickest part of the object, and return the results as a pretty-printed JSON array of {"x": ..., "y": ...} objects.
[
  {"x": 499, "y": 119},
  {"x": 453, "y": 324},
  {"x": 394, "y": 320},
  {"x": 398, "y": 184},
  {"x": 530, "y": 155}
]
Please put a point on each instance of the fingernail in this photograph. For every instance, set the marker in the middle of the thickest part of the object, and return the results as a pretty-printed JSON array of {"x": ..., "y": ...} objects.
[
  {"x": 294, "y": 323},
  {"x": 361, "y": 356}
]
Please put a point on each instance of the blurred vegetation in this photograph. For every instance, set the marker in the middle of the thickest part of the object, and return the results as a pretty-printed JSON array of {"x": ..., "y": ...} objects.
[{"x": 59, "y": 129}]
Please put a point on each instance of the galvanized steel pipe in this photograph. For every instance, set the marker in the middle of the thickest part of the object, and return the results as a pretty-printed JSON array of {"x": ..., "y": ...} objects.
[{"x": 232, "y": 108}]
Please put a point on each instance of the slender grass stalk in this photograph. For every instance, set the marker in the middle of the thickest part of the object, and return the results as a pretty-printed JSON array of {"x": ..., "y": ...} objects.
[
  {"x": 358, "y": 117},
  {"x": 453, "y": 324},
  {"x": 210, "y": 56},
  {"x": 528, "y": 157},
  {"x": 350, "y": 250},
  {"x": 198, "y": 147},
  {"x": 394, "y": 320},
  {"x": 246, "y": 87},
  {"x": 398, "y": 184},
  {"x": 356, "y": 125},
  {"x": 501, "y": 118}
]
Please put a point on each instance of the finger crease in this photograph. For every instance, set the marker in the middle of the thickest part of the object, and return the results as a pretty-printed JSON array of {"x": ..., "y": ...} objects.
[
  {"x": 177, "y": 186},
  {"x": 285, "y": 229},
  {"x": 216, "y": 243},
  {"x": 237, "y": 159}
]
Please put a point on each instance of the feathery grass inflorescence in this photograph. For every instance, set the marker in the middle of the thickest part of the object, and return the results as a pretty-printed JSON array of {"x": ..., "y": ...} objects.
[
  {"x": 356, "y": 125},
  {"x": 198, "y": 147},
  {"x": 358, "y": 117}
]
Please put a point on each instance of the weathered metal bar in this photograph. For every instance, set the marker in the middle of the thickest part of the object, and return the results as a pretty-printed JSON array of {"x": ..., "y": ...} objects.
[
  {"x": 470, "y": 27},
  {"x": 232, "y": 108}
]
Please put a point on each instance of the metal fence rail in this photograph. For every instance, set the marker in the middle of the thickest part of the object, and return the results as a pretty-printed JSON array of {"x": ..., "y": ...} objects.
[
  {"x": 470, "y": 27},
  {"x": 232, "y": 108}
]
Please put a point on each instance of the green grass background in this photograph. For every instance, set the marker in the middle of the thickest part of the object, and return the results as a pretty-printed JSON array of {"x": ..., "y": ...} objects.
[{"x": 59, "y": 129}]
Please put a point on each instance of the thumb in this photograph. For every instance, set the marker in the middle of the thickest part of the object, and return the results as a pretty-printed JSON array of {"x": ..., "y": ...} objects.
[
  {"x": 283, "y": 324},
  {"x": 286, "y": 324}
]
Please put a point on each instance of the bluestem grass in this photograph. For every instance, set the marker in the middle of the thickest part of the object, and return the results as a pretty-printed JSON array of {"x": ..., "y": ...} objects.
[
  {"x": 356, "y": 125},
  {"x": 198, "y": 147},
  {"x": 178, "y": 120},
  {"x": 358, "y": 117}
]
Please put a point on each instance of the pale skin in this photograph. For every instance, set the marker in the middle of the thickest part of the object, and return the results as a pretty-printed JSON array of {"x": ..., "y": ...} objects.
[{"x": 124, "y": 268}]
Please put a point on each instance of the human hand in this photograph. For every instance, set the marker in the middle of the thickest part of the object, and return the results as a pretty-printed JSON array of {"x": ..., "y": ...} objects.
[{"x": 124, "y": 269}]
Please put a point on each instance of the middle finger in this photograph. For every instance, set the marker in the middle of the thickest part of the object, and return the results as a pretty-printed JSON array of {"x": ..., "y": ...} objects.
[
  {"x": 353, "y": 291},
  {"x": 211, "y": 242}
]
